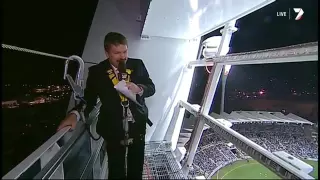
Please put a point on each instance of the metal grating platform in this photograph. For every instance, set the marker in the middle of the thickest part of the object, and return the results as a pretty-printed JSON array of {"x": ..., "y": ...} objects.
[{"x": 160, "y": 162}]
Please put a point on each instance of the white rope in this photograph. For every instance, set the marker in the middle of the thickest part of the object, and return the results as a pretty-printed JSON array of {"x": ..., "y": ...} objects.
[{"x": 33, "y": 51}]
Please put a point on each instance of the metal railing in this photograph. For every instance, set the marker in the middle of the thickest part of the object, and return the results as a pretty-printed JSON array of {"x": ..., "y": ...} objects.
[
  {"x": 53, "y": 154},
  {"x": 56, "y": 157},
  {"x": 295, "y": 53},
  {"x": 16, "y": 172}
]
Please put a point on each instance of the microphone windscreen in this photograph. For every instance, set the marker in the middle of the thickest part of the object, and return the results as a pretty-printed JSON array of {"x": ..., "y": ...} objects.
[{"x": 122, "y": 67}]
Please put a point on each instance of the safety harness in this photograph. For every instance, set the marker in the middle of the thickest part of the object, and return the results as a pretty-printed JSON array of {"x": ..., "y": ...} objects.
[
  {"x": 115, "y": 81},
  {"x": 125, "y": 105},
  {"x": 124, "y": 102}
]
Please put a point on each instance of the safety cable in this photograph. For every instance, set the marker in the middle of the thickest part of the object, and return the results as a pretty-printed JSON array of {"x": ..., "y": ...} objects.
[{"x": 6, "y": 46}]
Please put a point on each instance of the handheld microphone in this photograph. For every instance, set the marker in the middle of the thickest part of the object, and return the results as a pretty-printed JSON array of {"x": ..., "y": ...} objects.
[{"x": 122, "y": 71}]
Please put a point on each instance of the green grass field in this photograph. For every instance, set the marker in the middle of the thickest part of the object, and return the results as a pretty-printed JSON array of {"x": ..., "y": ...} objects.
[{"x": 253, "y": 170}]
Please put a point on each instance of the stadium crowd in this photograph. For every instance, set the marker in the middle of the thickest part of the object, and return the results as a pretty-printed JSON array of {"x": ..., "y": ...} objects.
[{"x": 214, "y": 151}]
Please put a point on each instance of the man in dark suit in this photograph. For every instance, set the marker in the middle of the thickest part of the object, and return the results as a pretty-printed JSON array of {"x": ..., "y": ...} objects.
[{"x": 100, "y": 83}]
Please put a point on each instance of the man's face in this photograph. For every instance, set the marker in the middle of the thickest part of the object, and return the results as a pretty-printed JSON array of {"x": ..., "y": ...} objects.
[{"x": 117, "y": 53}]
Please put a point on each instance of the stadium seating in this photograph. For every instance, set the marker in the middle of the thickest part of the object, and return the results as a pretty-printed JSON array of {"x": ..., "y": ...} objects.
[{"x": 213, "y": 150}]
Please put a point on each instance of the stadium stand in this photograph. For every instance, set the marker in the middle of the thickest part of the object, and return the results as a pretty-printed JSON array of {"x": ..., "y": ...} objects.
[{"x": 214, "y": 152}]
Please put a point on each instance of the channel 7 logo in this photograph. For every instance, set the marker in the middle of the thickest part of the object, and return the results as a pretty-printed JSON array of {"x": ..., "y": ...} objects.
[{"x": 299, "y": 12}]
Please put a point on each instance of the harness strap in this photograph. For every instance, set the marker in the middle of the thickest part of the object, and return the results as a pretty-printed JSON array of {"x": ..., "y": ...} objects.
[
  {"x": 115, "y": 81},
  {"x": 124, "y": 100}
]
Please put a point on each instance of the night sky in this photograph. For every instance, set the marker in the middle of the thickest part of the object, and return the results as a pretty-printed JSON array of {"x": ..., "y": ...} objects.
[
  {"x": 67, "y": 24},
  {"x": 57, "y": 27}
]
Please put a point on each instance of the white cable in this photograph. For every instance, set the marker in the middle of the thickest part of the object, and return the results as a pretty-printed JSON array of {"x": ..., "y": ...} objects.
[{"x": 33, "y": 51}]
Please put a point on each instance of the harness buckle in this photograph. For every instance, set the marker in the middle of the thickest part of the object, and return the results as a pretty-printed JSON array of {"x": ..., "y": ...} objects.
[
  {"x": 125, "y": 104},
  {"x": 126, "y": 142}
]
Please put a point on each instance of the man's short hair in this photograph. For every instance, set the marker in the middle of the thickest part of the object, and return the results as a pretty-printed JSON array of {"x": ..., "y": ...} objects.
[{"x": 114, "y": 38}]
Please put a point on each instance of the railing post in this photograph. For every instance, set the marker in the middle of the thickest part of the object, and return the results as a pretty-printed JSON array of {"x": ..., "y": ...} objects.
[
  {"x": 198, "y": 128},
  {"x": 171, "y": 129},
  {"x": 92, "y": 121},
  {"x": 104, "y": 168},
  {"x": 94, "y": 133},
  {"x": 208, "y": 96},
  {"x": 97, "y": 169},
  {"x": 223, "y": 93}
]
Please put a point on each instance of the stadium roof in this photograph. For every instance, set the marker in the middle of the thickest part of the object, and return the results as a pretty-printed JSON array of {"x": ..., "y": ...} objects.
[{"x": 260, "y": 116}]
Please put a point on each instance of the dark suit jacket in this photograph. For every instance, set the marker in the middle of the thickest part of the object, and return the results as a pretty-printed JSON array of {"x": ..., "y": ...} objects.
[{"x": 110, "y": 119}]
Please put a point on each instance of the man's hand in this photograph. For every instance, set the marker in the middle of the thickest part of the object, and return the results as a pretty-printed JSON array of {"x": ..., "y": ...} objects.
[
  {"x": 133, "y": 87},
  {"x": 70, "y": 120}
]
